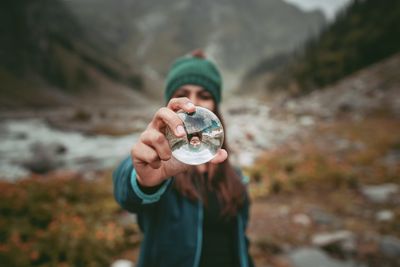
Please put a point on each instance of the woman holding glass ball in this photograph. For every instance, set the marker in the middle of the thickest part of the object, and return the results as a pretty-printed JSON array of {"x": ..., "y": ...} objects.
[{"x": 190, "y": 215}]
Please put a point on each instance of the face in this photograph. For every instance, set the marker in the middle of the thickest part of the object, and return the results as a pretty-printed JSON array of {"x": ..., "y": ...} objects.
[
  {"x": 198, "y": 95},
  {"x": 195, "y": 141}
]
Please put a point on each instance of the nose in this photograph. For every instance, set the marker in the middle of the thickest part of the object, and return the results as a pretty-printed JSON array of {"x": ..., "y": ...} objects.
[{"x": 194, "y": 99}]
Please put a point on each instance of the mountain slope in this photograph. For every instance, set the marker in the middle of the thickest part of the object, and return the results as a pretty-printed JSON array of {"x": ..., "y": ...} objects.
[
  {"x": 46, "y": 57},
  {"x": 363, "y": 34},
  {"x": 58, "y": 50}
]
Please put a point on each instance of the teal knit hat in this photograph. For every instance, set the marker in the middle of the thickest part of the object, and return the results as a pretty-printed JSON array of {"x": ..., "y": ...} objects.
[{"x": 197, "y": 70}]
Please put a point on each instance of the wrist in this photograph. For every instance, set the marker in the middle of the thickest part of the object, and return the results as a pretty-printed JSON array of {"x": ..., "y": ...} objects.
[
  {"x": 147, "y": 194},
  {"x": 148, "y": 182}
]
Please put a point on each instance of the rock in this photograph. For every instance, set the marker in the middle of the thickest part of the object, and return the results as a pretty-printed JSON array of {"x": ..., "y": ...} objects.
[
  {"x": 390, "y": 246},
  {"x": 349, "y": 245},
  {"x": 345, "y": 107},
  {"x": 45, "y": 157},
  {"x": 392, "y": 158},
  {"x": 291, "y": 105},
  {"x": 322, "y": 217},
  {"x": 12, "y": 172},
  {"x": 89, "y": 175},
  {"x": 127, "y": 219},
  {"x": 246, "y": 158},
  {"x": 311, "y": 257},
  {"x": 368, "y": 245},
  {"x": 252, "y": 130},
  {"x": 343, "y": 241},
  {"x": 306, "y": 120},
  {"x": 20, "y": 136},
  {"x": 384, "y": 215},
  {"x": 279, "y": 261},
  {"x": 122, "y": 263},
  {"x": 379, "y": 193},
  {"x": 301, "y": 219},
  {"x": 284, "y": 211},
  {"x": 342, "y": 144}
]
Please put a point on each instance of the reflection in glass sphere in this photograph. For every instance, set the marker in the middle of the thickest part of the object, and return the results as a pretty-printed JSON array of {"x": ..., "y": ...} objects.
[{"x": 204, "y": 136}]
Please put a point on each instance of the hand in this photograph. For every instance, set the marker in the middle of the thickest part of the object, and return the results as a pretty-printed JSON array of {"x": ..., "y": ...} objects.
[{"x": 152, "y": 156}]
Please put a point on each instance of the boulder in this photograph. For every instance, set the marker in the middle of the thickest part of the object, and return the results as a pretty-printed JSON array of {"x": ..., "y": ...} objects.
[
  {"x": 379, "y": 193},
  {"x": 390, "y": 246},
  {"x": 45, "y": 157}
]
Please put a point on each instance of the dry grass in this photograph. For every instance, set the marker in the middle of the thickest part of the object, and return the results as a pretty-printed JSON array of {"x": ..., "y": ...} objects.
[
  {"x": 324, "y": 171},
  {"x": 336, "y": 155}
]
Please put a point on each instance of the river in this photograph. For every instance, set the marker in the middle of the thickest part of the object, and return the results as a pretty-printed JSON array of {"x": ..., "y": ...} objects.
[{"x": 29, "y": 142}]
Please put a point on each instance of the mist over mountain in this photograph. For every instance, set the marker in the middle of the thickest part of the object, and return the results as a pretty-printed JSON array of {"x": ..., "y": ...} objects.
[
  {"x": 150, "y": 34},
  {"x": 55, "y": 49}
]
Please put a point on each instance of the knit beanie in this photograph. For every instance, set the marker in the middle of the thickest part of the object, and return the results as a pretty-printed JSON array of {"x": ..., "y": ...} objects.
[{"x": 197, "y": 70}]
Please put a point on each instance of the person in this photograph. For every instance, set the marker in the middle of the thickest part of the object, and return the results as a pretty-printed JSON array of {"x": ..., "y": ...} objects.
[
  {"x": 194, "y": 140},
  {"x": 189, "y": 215}
]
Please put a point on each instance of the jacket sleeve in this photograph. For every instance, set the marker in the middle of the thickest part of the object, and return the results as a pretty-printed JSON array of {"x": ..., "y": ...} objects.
[{"x": 128, "y": 193}]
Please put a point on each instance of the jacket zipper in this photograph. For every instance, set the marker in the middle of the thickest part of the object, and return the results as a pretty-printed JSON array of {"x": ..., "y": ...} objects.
[
  {"x": 242, "y": 249},
  {"x": 241, "y": 243},
  {"x": 199, "y": 235}
]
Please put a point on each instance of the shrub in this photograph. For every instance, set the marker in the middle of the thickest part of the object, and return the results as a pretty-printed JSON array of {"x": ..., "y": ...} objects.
[{"x": 69, "y": 222}]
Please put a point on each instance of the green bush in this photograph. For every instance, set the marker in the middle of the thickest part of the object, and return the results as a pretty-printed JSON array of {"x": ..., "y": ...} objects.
[{"x": 60, "y": 222}]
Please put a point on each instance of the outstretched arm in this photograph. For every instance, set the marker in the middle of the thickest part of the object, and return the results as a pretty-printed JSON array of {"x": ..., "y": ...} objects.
[{"x": 128, "y": 192}]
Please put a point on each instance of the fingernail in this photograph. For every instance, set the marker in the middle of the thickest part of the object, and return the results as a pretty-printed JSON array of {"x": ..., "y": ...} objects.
[
  {"x": 189, "y": 105},
  {"x": 180, "y": 130}
]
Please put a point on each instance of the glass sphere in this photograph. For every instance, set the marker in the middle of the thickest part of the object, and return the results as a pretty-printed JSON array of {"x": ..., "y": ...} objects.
[{"x": 204, "y": 136}]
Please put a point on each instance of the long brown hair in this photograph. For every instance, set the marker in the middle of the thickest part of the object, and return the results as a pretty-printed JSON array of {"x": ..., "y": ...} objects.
[{"x": 222, "y": 178}]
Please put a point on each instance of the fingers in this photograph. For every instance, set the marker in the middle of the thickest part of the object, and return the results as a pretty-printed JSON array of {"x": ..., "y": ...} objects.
[
  {"x": 221, "y": 156},
  {"x": 158, "y": 142},
  {"x": 183, "y": 103},
  {"x": 166, "y": 117},
  {"x": 145, "y": 154}
]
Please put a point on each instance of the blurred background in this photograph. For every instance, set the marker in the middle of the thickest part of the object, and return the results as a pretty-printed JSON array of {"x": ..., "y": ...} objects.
[{"x": 311, "y": 103}]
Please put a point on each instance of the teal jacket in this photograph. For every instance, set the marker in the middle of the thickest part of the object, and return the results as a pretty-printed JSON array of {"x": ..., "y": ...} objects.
[{"x": 171, "y": 223}]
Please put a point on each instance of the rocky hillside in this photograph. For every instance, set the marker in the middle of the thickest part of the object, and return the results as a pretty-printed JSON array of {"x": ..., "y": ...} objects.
[
  {"x": 369, "y": 91},
  {"x": 328, "y": 196}
]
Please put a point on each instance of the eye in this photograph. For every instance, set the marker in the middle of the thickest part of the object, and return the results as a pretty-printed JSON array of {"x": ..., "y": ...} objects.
[
  {"x": 205, "y": 95},
  {"x": 181, "y": 93}
]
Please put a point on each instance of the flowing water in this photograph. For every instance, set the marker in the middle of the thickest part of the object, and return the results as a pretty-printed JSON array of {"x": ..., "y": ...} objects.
[{"x": 24, "y": 143}]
